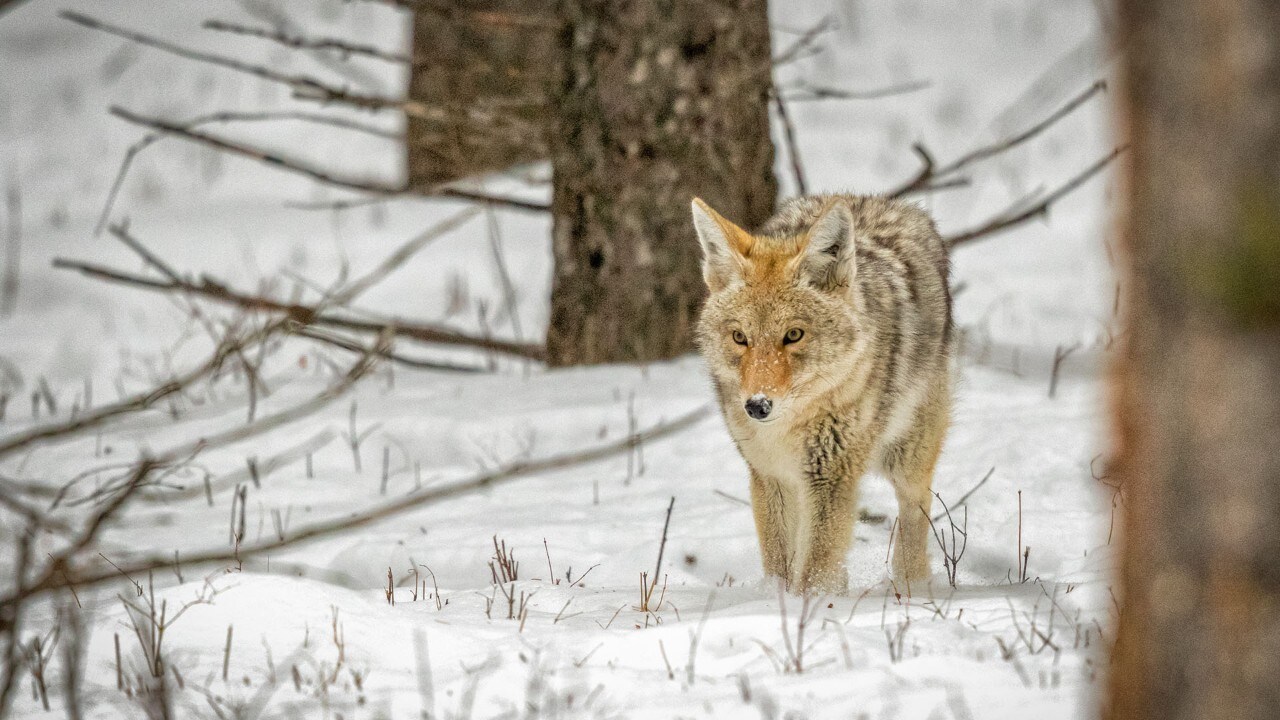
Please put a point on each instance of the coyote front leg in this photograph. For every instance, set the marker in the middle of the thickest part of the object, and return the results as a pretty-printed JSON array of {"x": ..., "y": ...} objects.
[
  {"x": 769, "y": 508},
  {"x": 826, "y": 529}
]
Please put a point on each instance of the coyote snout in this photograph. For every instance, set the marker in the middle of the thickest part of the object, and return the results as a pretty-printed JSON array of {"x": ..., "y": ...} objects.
[{"x": 758, "y": 406}]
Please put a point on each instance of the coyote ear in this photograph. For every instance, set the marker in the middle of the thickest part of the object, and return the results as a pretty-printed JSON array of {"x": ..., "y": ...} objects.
[
  {"x": 829, "y": 260},
  {"x": 724, "y": 246}
]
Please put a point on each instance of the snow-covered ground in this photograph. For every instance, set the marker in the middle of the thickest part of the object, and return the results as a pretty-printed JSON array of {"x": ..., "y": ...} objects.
[{"x": 312, "y": 626}]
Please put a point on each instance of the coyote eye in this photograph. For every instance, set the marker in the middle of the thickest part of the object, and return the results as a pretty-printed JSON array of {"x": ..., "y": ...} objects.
[
  {"x": 793, "y": 335},
  {"x": 739, "y": 338}
]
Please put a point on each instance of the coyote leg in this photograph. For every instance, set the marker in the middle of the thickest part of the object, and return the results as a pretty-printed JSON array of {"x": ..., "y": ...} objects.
[
  {"x": 835, "y": 463},
  {"x": 910, "y": 466},
  {"x": 768, "y": 505}
]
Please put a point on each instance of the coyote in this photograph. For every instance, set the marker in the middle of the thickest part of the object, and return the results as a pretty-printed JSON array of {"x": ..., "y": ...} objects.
[{"x": 829, "y": 339}]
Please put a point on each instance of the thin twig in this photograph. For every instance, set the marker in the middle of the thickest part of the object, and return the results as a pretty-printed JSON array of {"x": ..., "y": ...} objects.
[
  {"x": 311, "y": 89},
  {"x": 58, "y": 572},
  {"x": 1010, "y": 219},
  {"x": 813, "y": 92},
  {"x": 933, "y": 177},
  {"x": 121, "y": 233},
  {"x": 230, "y": 344},
  {"x": 228, "y": 117},
  {"x": 1013, "y": 141},
  {"x": 662, "y": 546},
  {"x": 86, "y": 577},
  {"x": 1060, "y": 354},
  {"x": 793, "y": 151},
  {"x": 342, "y": 47},
  {"x": 367, "y": 185},
  {"x": 504, "y": 275},
  {"x": 141, "y": 401},
  {"x": 922, "y": 178},
  {"x": 965, "y": 497},
  {"x": 409, "y": 249},
  {"x": 297, "y": 82},
  {"x": 304, "y": 315},
  {"x": 804, "y": 42},
  {"x": 353, "y": 346},
  {"x": 732, "y": 498},
  {"x": 12, "y": 618}
]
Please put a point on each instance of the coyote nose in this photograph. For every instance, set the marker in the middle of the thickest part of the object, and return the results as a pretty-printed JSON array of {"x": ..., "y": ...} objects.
[{"x": 758, "y": 406}]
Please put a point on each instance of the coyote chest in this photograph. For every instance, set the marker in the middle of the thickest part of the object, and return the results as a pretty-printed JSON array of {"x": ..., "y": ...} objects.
[{"x": 773, "y": 448}]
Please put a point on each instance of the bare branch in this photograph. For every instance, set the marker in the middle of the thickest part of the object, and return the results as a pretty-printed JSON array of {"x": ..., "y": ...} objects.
[
  {"x": 58, "y": 573},
  {"x": 804, "y": 42},
  {"x": 297, "y": 82},
  {"x": 228, "y": 117},
  {"x": 305, "y": 315},
  {"x": 300, "y": 167},
  {"x": 229, "y": 345},
  {"x": 141, "y": 401},
  {"x": 789, "y": 134},
  {"x": 931, "y": 177},
  {"x": 11, "y": 621},
  {"x": 1013, "y": 217},
  {"x": 309, "y": 88},
  {"x": 297, "y": 166},
  {"x": 121, "y": 233},
  {"x": 341, "y": 342},
  {"x": 963, "y": 498},
  {"x": 343, "y": 47},
  {"x": 306, "y": 87},
  {"x": 408, "y": 250},
  {"x": 33, "y": 516},
  {"x": 922, "y": 178},
  {"x": 983, "y": 153},
  {"x": 815, "y": 92},
  {"x": 85, "y": 577},
  {"x": 59, "y": 563}
]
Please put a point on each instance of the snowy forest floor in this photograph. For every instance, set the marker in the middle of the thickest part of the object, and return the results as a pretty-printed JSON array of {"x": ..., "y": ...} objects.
[{"x": 313, "y": 628}]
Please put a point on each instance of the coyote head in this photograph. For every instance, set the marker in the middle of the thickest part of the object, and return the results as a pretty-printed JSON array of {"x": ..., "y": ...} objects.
[{"x": 780, "y": 326}]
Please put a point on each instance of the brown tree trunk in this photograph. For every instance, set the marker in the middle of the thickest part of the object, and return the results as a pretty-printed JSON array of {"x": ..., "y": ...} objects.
[
  {"x": 656, "y": 102},
  {"x": 1197, "y": 401},
  {"x": 478, "y": 84}
]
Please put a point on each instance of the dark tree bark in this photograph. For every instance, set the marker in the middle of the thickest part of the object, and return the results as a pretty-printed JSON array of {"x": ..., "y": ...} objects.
[
  {"x": 1197, "y": 401},
  {"x": 480, "y": 72},
  {"x": 656, "y": 102}
]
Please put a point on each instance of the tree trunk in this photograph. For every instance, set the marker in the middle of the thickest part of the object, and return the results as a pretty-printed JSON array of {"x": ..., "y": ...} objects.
[
  {"x": 478, "y": 83},
  {"x": 1197, "y": 401},
  {"x": 656, "y": 102}
]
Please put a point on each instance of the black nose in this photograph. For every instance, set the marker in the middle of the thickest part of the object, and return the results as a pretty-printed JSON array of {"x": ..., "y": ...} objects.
[{"x": 758, "y": 407}]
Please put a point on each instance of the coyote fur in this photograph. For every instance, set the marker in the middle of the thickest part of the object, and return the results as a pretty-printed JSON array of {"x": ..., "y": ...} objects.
[{"x": 828, "y": 337}]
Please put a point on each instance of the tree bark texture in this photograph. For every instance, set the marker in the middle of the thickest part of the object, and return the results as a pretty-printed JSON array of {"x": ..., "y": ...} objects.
[
  {"x": 478, "y": 86},
  {"x": 1196, "y": 401},
  {"x": 656, "y": 102}
]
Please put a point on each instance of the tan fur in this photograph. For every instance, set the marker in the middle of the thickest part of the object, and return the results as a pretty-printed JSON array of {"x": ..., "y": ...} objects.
[{"x": 866, "y": 386}]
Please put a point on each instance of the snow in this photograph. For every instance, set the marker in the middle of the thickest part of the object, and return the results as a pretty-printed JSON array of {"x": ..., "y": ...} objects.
[{"x": 717, "y": 645}]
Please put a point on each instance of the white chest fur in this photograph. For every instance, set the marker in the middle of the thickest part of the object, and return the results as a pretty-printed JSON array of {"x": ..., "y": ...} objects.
[{"x": 773, "y": 449}]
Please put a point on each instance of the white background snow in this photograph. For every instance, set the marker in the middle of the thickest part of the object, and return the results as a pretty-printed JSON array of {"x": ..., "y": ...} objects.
[{"x": 991, "y": 648}]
